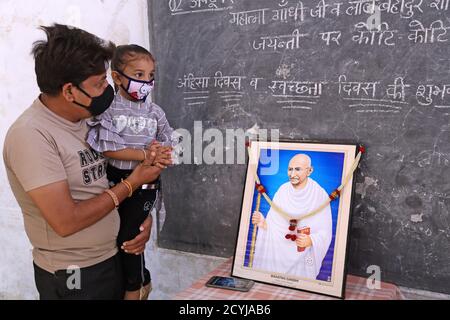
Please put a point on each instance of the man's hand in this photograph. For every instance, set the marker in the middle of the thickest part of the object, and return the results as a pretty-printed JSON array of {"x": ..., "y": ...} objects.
[
  {"x": 259, "y": 220},
  {"x": 303, "y": 241},
  {"x": 137, "y": 245}
]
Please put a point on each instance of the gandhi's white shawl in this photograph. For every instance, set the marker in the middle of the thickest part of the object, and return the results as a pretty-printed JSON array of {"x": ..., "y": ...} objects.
[{"x": 274, "y": 253}]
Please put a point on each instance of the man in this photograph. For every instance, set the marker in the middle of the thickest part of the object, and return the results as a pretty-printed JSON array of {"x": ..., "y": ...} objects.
[
  {"x": 70, "y": 213},
  {"x": 300, "y": 196}
]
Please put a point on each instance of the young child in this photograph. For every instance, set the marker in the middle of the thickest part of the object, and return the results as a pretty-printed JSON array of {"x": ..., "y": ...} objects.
[{"x": 126, "y": 134}]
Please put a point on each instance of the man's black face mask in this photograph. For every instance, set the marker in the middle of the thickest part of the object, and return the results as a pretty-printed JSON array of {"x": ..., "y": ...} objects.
[{"x": 98, "y": 104}]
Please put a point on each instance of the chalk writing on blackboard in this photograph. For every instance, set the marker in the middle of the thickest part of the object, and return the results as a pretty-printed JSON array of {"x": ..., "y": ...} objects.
[
  {"x": 288, "y": 42},
  {"x": 436, "y": 32},
  {"x": 297, "y": 11},
  {"x": 180, "y": 7},
  {"x": 293, "y": 94},
  {"x": 440, "y": 5},
  {"x": 363, "y": 33}
]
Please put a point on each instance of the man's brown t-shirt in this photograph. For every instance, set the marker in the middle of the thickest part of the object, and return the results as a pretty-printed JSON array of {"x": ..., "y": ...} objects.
[{"x": 43, "y": 148}]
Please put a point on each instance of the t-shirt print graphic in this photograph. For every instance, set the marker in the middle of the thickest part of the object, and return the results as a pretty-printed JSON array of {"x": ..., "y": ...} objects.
[
  {"x": 137, "y": 124},
  {"x": 94, "y": 165}
]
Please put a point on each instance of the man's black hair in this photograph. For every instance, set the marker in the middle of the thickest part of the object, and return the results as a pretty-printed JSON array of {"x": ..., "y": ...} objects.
[{"x": 69, "y": 55}]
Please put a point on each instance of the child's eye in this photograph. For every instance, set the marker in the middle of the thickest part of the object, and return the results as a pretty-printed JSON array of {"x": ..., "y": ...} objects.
[{"x": 139, "y": 74}]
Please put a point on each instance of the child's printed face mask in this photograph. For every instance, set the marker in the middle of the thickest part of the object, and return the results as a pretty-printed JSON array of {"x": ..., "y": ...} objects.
[{"x": 138, "y": 89}]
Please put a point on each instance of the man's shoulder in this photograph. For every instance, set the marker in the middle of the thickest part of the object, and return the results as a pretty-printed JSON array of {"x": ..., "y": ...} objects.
[
  {"x": 25, "y": 129},
  {"x": 26, "y": 124},
  {"x": 31, "y": 126}
]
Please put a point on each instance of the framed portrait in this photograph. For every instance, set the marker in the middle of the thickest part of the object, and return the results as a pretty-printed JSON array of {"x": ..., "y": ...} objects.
[{"x": 295, "y": 215}]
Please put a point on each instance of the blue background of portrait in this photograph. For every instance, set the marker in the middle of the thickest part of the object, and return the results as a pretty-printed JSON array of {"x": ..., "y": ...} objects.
[{"x": 328, "y": 167}]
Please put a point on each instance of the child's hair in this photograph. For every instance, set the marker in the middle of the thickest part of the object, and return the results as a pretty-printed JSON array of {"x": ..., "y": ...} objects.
[
  {"x": 126, "y": 53},
  {"x": 68, "y": 55}
]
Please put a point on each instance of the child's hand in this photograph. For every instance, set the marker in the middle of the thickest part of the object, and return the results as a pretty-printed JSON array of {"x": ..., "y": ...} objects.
[
  {"x": 153, "y": 146},
  {"x": 163, "y": 157},
  {"x": 159, "y": 156},
  {"x": 152, "y": 152}
]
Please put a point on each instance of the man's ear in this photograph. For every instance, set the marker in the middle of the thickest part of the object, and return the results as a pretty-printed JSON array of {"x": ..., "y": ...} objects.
[
  {"x": 311, "y": 169},
  {"x": 67, "y": 92},
  {"x": 116, "y": 78}
]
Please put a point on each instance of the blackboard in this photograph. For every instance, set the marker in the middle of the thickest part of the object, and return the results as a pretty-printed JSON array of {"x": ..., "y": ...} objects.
[{"x": 316, "y": 70}]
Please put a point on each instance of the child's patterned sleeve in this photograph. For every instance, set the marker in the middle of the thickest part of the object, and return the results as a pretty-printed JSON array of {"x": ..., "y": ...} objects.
[
  {"x": 169, "y": 137},
  {"x": 165, "y": 131},
  {"x": 103, "y": 135}
]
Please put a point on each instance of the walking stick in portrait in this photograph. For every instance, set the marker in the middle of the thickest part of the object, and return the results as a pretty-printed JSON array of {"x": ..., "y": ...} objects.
[{"x": 260, "y": 190}]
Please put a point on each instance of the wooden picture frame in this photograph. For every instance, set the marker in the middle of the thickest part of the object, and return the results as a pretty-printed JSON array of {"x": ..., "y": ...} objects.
[{"x": 302, "y": 242}]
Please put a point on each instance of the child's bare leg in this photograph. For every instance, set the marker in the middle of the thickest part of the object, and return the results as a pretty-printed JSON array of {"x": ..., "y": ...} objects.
[
  {"x": 145, "y": 291},
  {"x": 132, "y": 295}
]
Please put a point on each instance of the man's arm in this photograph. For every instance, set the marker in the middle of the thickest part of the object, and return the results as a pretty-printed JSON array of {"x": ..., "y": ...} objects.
[{"x": 67, "y": 217}]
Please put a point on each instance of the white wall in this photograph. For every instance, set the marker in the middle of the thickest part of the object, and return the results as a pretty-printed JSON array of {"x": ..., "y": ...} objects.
[{"x": 122, "y": 21}]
